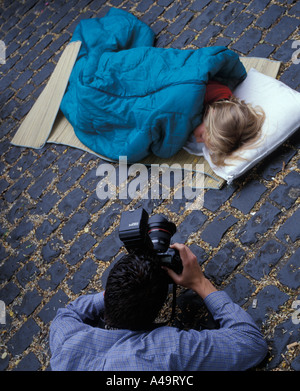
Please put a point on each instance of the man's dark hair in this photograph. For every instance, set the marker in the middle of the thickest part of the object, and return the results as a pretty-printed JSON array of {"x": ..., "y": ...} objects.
[{"x": 136, "y": 290}]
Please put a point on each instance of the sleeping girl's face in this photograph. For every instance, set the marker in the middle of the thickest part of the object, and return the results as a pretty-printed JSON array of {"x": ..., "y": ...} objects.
[{"x": 200, "y": 133}]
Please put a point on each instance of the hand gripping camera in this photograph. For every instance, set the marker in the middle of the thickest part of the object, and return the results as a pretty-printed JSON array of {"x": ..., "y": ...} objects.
[{"x": 141, "y": 234}]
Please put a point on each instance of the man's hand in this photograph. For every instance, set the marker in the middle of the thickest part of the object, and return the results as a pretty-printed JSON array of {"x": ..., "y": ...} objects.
[{"x": 192, "y": 276}]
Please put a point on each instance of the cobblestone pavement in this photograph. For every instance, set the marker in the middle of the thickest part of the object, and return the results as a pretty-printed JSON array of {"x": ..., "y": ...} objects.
[{"x": 58, "y": 240}]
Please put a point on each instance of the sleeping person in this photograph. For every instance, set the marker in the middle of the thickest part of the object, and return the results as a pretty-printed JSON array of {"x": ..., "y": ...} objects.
[
  {"x": 125, "y": 96},
  {"x": 228, "y": 123}
]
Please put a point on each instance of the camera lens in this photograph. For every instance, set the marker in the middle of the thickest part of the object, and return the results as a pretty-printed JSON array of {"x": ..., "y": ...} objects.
[{"x": 160, "y": 231}]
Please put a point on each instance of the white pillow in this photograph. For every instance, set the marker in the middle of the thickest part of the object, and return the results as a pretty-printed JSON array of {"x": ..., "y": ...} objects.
[
  {"x": 192, "y": 147},
  {"x": 281, "y": 105}
]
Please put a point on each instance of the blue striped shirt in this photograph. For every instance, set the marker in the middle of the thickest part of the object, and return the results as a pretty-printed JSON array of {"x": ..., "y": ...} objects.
[{"x": 76, "y": 345}]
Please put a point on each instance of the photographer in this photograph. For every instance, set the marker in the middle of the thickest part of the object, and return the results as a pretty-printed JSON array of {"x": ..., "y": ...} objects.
[{"x": 135, "y": 292}]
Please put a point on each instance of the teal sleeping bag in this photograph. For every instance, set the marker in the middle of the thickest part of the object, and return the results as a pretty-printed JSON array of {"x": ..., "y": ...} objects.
[{"x": 126, "y": 97}]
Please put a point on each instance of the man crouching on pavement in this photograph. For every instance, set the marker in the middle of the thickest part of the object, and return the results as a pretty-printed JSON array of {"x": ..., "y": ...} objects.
[{"x": 135, "y": 292}]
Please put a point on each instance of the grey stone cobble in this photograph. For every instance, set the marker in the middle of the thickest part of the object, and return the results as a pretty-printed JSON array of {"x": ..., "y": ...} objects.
[
  {"x": 71, "y": 201},
  {"x": 270, "y": 16},
  {"x": 224, "y": 262},
  {"x": 17, "y": 211},
  {"x": 21, "y": 231},
  {"x": 58, "y": 240},
  {"x": 284, "y": 334},
  {"x": 295, "y": 365},
  {"x": 59, "y": 300},
  {"x": 268, "y": 256},
  {"x": 282, "y": 30},
  {"x": 82, "y": 276},
  {"x": 247, "y": 41},
  {"x": 273, "y": 163},
  {"x": 75, "y": 224},
  {"x": 286, "y": 194},
  {"x": 16, "y": 189},
  {"x": 240, "y": 289},
  {"x": 105, "y": 221},
  {"x": 284, "y": 52},
  {"x": 210, "y": 32},
  {"x": 214, "y": 232},
  {"x": 9, "y": 293},
  {"x": 52, "y": 250},
  {"x": 192, "y": 223},
  {"x": 108, "y": 248},
  {"x": 28, "y": 363},
  {"x": 231, "y": 11},
  {"x": 248, "y": 196},
  {"x": 54, "y": 276},
  {"x": 32, "y": 299},
  {"x": 69, "y": 179},
  {"x": 259, "y": 223},
  {"x": 214, "y": 199},
  {"x": 7, "y": 270},
  {"x": 23, "y": 337},
  {"x": 205, "y": 18},
  {"x": 290, "y": 230},
  {"x": 79, "y": 248},
  {"x": 47, "y": 227},
  {"x": 289, "y": 275},
  {"x": 45, "y": 204},
  {"x": 256, "y": 6},
  {"x": 176, "y": 27},
  {"x": 268, "y": 300},
  {"x": 28, "y": 273},
  {"x": 239, "y": 26},
  {"x": 185, "y": 38}
]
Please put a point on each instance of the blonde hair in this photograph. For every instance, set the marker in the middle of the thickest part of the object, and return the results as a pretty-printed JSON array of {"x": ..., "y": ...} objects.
[{"x": 231, "y": 125}]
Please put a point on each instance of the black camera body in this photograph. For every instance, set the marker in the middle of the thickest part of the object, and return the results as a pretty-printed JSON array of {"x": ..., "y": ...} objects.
[{"x": 141, "y": 235}]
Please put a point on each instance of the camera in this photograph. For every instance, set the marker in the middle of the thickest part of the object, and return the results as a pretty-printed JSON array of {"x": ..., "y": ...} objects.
[{"x": 141, "y": 235}]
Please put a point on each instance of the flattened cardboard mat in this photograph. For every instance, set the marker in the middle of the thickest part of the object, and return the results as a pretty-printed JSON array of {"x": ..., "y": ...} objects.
[{"x": 46, "y": 123}]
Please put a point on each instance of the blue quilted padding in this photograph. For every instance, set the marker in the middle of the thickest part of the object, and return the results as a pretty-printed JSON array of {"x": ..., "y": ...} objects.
[{"x": 128, "y": 98}]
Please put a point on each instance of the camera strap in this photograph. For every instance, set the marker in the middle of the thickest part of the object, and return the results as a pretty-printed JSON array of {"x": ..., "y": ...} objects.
[
  {"x": 173, "y": 309},
  {"x": 174, "y": 301}
]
